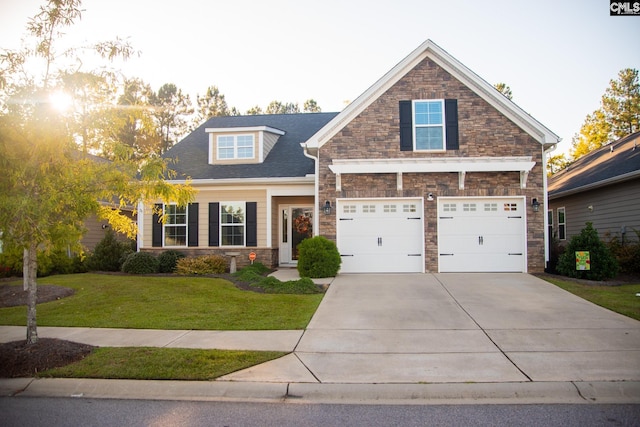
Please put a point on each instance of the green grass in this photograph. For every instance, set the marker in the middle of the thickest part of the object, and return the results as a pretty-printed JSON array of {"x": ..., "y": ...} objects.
[
  {"x": 146, "y": 302},
  {"x": 621, "y": 299},
  {"x": 145, "y": 363}
]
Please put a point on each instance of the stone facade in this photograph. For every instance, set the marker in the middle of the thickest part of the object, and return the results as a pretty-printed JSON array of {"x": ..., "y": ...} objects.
[{"x": 483, "y": 132}]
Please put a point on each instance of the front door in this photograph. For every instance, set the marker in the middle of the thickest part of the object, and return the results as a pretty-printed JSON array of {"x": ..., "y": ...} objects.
[{"x": 296, "y": 224}]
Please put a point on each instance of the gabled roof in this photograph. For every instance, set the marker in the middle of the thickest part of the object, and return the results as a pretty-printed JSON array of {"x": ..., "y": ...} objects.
[
  {"x": 432, "y": 51},
  {"x": 615, "y": 162},
  {"x": 286, "y": 159}
]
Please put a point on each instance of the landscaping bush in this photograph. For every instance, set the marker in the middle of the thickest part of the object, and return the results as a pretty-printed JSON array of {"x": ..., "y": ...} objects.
[
  {"x": 627, "y": 254},
  {"x": 205, "y": 264},
  {"x": 603, "y": 264},
  {"x": 254, "y": 276},
  {"x": 168, "y": 260},
  {"x": 318, "y": 257},
  {"x": 109, "y": 253},
  {"x": 140, "y": 263}
]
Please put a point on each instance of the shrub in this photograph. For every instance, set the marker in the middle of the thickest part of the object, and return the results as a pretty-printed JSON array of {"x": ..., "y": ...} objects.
[
  {"x": 168, "y": 260},
  {"x": 254, "y": 275},
  {"x": 627, "y": 253},
  {"x": 603, "y": 264},
  {"x": 205, "y": 264},
  {"x": 140, "y": 263},
  {"x": 109, "y": 253},
  {"x": 318, "y": 257}
]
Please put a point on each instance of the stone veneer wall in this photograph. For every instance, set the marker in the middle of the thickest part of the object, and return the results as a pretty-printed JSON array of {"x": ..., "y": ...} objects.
[{"x": 483, "y": 132}]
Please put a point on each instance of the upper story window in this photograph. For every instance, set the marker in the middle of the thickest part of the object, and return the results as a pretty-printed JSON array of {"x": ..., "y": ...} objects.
[
  {"x": 235, "y": 147},
  {"x": 428, "y": 124}
]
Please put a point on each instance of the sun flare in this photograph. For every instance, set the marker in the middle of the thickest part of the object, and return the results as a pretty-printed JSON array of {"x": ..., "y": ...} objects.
[{"x": 60, "y": 101}]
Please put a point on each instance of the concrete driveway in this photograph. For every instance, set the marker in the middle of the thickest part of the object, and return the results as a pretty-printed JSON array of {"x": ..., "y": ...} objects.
[{"x": 456, "y": 328}]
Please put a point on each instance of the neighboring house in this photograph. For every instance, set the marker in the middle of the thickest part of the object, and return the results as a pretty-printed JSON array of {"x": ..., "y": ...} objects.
[
  {"x": 431, "y": 169},
  {"x": 602, "y": 187}
]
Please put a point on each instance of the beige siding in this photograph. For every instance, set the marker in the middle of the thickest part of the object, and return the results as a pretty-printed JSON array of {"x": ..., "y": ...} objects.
[
  {"x": 203, "y": 199},
  {"x": 270, "y": 140},
  {"x": 214, "y": 149},
  {"x": 608, "y": 208},
  {"x": 95, "y": 233}
]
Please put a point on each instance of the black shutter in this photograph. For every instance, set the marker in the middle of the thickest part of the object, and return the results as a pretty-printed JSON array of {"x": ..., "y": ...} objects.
[
  {"x": 451, "y": 123},
  {"x": 406, "y": 126},
  {"x": 156, "y": 227},
  {"x": 192, "y": 226},
  {"x": 252, "y": 224},
  {"x": 214, "y": 224}
]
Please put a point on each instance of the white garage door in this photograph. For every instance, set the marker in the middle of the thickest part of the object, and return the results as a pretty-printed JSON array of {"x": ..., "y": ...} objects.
[
  {"x": 481, "y": 235},
  {"x": 381, "y": 235}
]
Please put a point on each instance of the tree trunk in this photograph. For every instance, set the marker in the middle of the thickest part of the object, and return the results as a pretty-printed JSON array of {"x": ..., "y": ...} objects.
[{"x": 29, "y": 272}]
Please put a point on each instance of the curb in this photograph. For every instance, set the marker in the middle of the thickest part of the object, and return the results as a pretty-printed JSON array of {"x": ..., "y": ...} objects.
[{"x": 380, "y": 394}]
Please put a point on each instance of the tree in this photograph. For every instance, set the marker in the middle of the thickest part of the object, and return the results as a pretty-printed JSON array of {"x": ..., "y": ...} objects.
[
  {"x": 131, "y": 123},
  {"x": 594, "y": 133},
  {"x": 621, "y": 103},
  {"x": 48, "y": 187},
  {"x": 618, "y": 115},
  {"x": 504, "y": 89},
  {"x": 212, "y": 104},
  {"x": 311, "y": 106},
  {"x": 254, "y": 111},
  {"x": 277, "y": 107},
  {"x": 171, "y": 109},
  {"x": 556, "y": 163}
]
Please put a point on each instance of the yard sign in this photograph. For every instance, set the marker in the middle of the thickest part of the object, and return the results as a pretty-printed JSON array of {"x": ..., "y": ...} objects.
[{"x": 583, "y": 262}]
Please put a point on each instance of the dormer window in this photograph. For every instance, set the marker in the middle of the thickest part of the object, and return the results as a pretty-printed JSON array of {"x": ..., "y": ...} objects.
[
  {"x": 235, "y": 147},
  {"x": 229, "y": 146}
]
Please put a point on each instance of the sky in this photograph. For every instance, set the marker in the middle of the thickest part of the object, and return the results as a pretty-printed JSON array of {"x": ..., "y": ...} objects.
[{"x": 556, "y": 56}]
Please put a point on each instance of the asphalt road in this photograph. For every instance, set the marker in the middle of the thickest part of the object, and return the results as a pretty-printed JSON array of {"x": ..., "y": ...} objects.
[{"x": 53, "y": 412}]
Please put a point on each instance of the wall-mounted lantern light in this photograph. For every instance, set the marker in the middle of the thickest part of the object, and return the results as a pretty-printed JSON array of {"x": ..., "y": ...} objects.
[
  {"x": 327, "y": 208},
  {"x": 535, "y": 204},
  {"x": 430, "y": 197}
]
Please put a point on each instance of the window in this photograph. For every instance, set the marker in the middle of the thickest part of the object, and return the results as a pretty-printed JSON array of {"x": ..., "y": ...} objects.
[
  {"x": 491, "y": 207},
  {"x": 469, "y": 207},
  {"x": 409, "y": 208},
  {"x": 175, "y": 226},
  {"x": 449, "y": 207},
  {"x": 550, "y": 222},
  {"x": 368, "y": 208},
  {"x": 389, "y": 208},
  {"x": 510, "y": 207},
  {"x": 232, "y": 224},
  {"x": 349, "y": 209},
  {"x": 562, "y": 231},
  {"x": 235, "y": 147},
  {"x": 428, "y": 123}
]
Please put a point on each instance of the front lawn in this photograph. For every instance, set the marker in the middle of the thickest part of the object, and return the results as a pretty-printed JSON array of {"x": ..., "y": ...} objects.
[
  {"x": 621, "y": 299},
  {"x": 168, "y": 302},
  {"x": 145, "y": 363}
]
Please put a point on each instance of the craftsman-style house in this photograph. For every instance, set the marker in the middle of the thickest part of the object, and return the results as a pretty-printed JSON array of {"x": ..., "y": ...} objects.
[{"x": 431, "y": 169}]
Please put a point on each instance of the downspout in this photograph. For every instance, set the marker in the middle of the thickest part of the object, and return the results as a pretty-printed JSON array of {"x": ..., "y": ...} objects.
[
  {"x": 316, "y": 190},
  {"x": 546, "y": 203}
]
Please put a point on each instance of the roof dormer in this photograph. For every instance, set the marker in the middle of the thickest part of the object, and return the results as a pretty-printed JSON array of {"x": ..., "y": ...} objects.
[{"x": 241, "y": 145}]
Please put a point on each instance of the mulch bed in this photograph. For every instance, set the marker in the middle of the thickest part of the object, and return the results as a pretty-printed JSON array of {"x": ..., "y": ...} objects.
[{"x": 17, "y": 359}]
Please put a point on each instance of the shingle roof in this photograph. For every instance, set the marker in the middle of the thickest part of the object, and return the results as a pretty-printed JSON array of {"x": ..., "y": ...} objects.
[
  {"x": 286, "y": 159},
  {"x": 614, "y": 162}
]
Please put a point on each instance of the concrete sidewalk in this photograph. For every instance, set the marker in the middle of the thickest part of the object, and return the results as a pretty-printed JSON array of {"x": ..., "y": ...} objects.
[{"x": 411, "y": 338}]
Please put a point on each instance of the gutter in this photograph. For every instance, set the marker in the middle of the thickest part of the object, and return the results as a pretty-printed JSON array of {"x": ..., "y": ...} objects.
[{"x": 316, "y": 190}]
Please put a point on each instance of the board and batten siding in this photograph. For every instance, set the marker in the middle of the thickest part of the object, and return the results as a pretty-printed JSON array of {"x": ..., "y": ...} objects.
[{"x": 607, "y": 208}]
